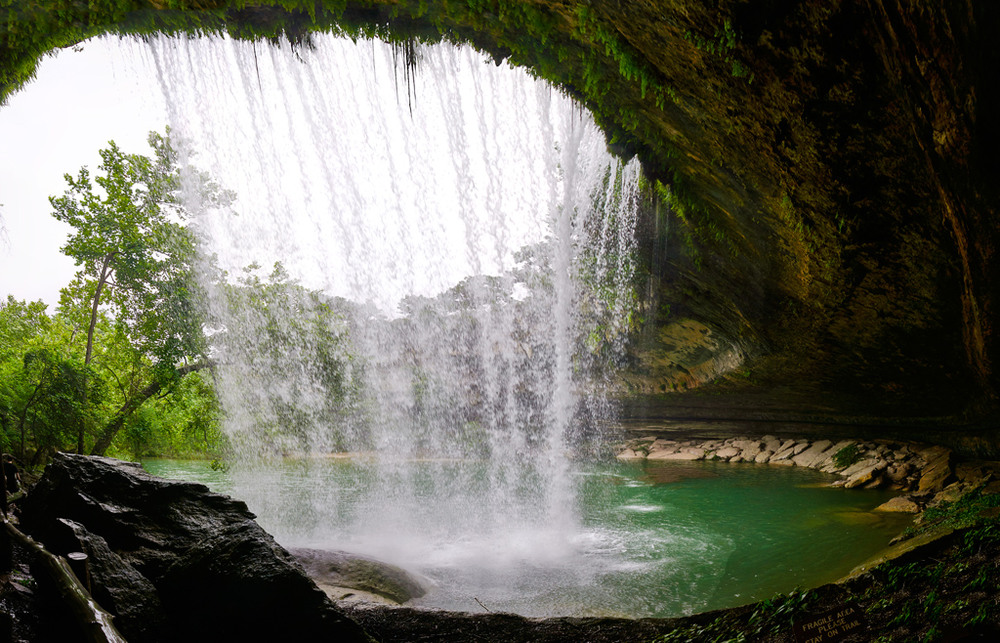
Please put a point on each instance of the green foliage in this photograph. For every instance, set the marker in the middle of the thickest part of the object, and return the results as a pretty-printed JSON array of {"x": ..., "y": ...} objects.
[
  {"x": 965, "y": 512},
  {"x": 43, "y": 384},
  {"x": 777, "y": 614},
  {"x": 183, "y": 424},
  {"x": 769, "y": 617},
  {"x": 846, "y": 456},
  {"x": 47, "y": 393},
  {"x": 722, "y": 45},
  {"x": 136, "y": 253},
  {"x": 115, "y": 355},
  {"x": 297, "y": 346}
]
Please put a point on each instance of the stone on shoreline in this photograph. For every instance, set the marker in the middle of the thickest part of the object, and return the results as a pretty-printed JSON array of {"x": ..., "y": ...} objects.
[
  {"x": 880, "y": 463},
  {"x": 813, "y": 455},
  {"x": 687, "y": 453},
  {"x": 865, "y": 475},
  {"x": 937, "y": 473},
  {"x": 899, "y": 504}
]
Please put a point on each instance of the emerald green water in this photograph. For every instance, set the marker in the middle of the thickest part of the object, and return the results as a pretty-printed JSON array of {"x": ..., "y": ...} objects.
[{"x": 646, "y": 538}]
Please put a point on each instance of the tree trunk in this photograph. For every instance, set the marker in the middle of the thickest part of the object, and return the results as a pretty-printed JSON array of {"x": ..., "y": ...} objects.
[
  {"x": 101, "y": 280},
  {"x": 24, "y": 415},
  {"x": 93, "y": 621},
  {"x": 132, "y": 405},
  {"x": 3, "y": 502}
]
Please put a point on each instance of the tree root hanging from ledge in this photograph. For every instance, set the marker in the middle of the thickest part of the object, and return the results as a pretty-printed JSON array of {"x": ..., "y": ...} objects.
[{"x": 93, "y": 621}]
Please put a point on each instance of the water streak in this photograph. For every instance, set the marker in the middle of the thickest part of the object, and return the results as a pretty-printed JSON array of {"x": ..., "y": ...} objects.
[{"x": 456, "y": 280}]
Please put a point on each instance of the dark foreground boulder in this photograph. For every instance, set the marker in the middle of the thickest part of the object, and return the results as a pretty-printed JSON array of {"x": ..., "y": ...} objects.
[
  {"x": 407, "y": 624},
  {"x": 176, "y": 562}
]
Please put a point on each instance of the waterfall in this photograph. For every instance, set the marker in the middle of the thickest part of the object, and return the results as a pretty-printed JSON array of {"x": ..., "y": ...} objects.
[{"x": 455, "y": 280}]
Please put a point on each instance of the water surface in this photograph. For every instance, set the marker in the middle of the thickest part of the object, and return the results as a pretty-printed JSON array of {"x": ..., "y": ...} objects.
[{"x": 645, "y": 539}]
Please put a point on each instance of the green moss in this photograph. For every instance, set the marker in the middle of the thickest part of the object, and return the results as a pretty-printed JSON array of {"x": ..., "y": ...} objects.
[
  {"x": 846, "y": 456},
  {"x": 969, "y": 510}
]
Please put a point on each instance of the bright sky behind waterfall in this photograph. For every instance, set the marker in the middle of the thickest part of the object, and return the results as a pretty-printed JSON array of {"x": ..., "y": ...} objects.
[
  {"x": 358, "y": 191},
  {"x": 79, "y": 100}
]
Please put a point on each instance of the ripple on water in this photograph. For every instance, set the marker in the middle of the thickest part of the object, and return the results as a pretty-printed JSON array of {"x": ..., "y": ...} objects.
[{"x": 634, "y": 547}]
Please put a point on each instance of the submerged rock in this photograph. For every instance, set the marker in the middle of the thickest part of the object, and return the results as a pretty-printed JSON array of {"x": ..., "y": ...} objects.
[
  {"x": 334, "y": 570},
  {"x": 899, "y": 504},
  {"x": 216, "y": 574}
]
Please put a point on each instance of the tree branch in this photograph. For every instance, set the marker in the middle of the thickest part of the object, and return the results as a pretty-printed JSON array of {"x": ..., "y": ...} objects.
[
  {"x": 133, "y": 403},
  {"x": 94, "y": 622}
]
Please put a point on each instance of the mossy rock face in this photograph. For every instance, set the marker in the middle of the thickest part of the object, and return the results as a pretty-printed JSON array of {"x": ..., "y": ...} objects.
[{"x": 831, "y": 169}]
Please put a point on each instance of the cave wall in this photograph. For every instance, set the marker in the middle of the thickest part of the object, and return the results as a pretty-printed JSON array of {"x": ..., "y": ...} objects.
[
  {"x": 852, "y": 174},
  {"x": 826, "y": 245}
]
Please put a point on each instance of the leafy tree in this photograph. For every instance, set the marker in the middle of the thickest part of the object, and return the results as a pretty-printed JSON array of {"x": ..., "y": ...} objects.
[
  {"x": 181, "y": 424},
  {"x": 43, "y": 384},
  {"x": 59, "y": 388},
  {"x": 285, "y": 352},
  {"x": 20, "y": 322},
  {"x": 134, "y": 240}
]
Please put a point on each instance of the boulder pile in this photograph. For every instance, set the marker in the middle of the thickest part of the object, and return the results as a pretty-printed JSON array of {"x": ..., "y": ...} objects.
[{"x": 926, "y": 474}]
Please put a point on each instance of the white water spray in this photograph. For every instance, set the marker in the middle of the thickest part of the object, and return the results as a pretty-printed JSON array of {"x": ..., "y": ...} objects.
[{"x": 463, "y": 266}]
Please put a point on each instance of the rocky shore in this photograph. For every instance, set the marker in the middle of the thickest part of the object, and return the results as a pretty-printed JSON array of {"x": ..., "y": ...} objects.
[
  {"x": 171, "y": 561},
  {"x": 925, "y": 475}
]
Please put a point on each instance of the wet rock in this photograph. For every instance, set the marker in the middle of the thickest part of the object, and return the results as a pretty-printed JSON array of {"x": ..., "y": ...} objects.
[
  {"x": 977, "y": 472},
  {"x": 800, "y": 447},
  {"x": 409, "y": 625},
  {"x": 339, "y": 569},
  {"x": 898, "y": 472},
  {"x": 748, "y": 448},
  {"x": 688, "y": 453},
  {"x": 218, "y": 575},
  {"x": 866, "y": 476},
  {"x": 858, "y": 466},
  {"x": 813, "y": 454},
  {"x": 937, "y": 473},
  {"x": 771, "y": 443},
  {"x": 951, "y": 493},
  {"x": 784, "y": 454},
  {"x": 117, "y": 586},
  {"x": 899, "y": 504},
  {"x": 899, "y": 547},
  {"x": 727, "y": 452},
  {"x": 660, "y": 449}
]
